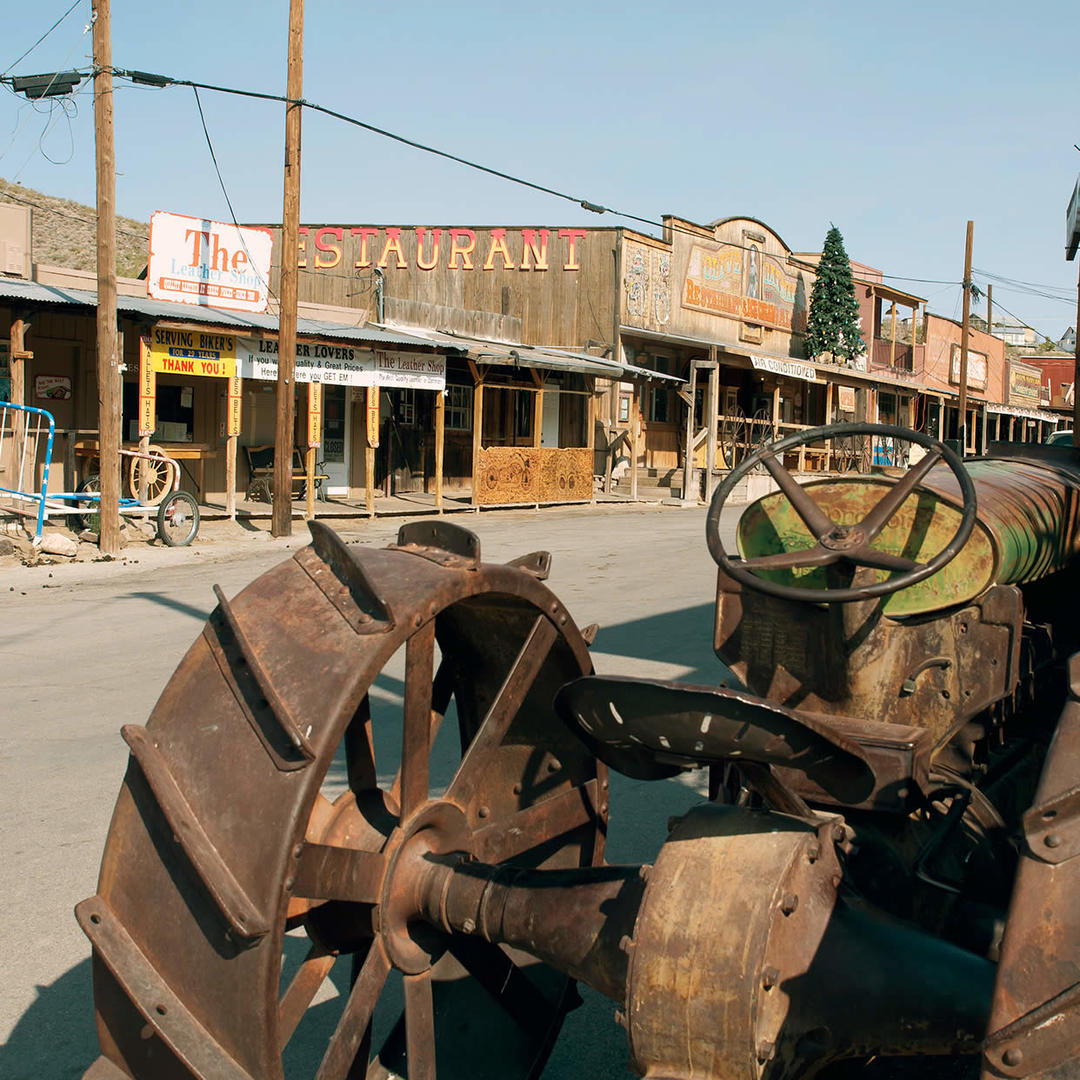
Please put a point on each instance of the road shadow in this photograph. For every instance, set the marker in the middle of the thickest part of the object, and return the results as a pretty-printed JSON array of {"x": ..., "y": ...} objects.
[{"x": 56, "y": 1037}]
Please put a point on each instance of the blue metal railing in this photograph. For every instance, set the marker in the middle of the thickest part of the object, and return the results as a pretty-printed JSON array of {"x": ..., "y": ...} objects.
[{"x": 29, "y": 439}]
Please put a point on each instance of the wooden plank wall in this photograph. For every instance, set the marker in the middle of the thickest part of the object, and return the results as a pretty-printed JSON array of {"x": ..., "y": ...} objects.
[{"x": 556, "y": 306}]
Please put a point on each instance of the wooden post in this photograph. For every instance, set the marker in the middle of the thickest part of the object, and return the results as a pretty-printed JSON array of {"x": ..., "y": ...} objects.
[
  {"x": 1076, "y": 367},
  {"x": 713, "y": 408},
  {"x": 990, "y": 310},
  {"x": 828, "y": 420},
  {"x": 688, "y": 460},
  {"x": 234, "y": 403},
  {"x": 371, "y": 441},
  {"x": 538, "y": 415},
  {"x": 281, "y": 521},
  {"x": 478, "y": 430},
  {"x": 892, "y": 346},
  {"x": 17, "y": 361},
  {"x": 964, "y": 330},
  {"x": 984, "y": 418},
  {"x": 108, "y": 362},
  {"x": 440, "y": 445},
  {"x": 635, "y": 435},
  {"x": 314, "y": 438}
]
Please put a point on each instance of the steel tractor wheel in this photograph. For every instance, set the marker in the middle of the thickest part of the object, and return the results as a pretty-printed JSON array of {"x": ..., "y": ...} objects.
[{"x": 258, "y": 910}]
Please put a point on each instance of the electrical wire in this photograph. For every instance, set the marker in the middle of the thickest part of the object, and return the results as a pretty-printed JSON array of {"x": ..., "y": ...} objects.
[
  {"x": 42, "y": 38},
  {"x": 224, "y": 191}
]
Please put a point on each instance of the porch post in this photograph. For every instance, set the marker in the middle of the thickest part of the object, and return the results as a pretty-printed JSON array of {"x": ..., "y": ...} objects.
[
  {"x": 635, "y": 427},
  {"x": 688, "y": 460},
  {"x": 371, "y": 434},
  {"x": 440, "y": 443},
  {"x": 828, "y": 420},
  {"x": 478, "y": 427},
  {"x": 712, "y": 406},
  {"x": 17, "y": 356}
]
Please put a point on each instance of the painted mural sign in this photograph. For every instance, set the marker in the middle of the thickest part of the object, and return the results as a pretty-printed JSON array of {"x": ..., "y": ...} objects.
[
  {"x": 743, "y": 282},
  {"x": 1025, "y": 384},
  {"x": 398, "y": 248},
  {"x": 208, "y": 263},
  {"x": 341, "y": 364},
  {"x": 976, "y": 369}
]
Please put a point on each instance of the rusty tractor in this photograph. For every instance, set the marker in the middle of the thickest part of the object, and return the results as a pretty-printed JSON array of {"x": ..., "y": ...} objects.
[{"x": 887, "y": 865}]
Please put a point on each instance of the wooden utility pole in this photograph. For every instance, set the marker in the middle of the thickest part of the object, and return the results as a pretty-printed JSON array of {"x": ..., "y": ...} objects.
[
  {"x": 108, "y": 362},
  {"x": 990, "y": 310},
  {"x": 281, "y": 522},
  {"x": 964, "y": 330},
  {"x": 1076, "y": 368}
]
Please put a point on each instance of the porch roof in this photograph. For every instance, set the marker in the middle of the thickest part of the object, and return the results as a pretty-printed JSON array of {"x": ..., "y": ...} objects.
[
  {"x": 17, "y": 291},
  {"x": 516, "y": 354}
]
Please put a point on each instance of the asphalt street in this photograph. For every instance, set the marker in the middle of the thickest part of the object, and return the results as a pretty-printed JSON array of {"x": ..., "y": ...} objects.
[{"x": 89, "y": 647}]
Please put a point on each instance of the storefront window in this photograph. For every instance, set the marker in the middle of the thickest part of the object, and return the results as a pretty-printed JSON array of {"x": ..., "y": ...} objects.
[
  {"x": 459, "y": 407},
  {"x": 660, "y": 403}
]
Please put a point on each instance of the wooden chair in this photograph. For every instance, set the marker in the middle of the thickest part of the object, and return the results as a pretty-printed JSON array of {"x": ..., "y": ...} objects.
[{"x": 260, "y": 462}]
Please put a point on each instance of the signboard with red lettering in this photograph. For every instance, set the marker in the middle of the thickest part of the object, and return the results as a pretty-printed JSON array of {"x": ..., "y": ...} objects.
[
  {"x": 234, "y": 400},
  {"x": 147, "y": 390},
  {"x": 208, "y": 263},
  {"x": 314, "y": 414},
  {"x": 204, "y": 353}
]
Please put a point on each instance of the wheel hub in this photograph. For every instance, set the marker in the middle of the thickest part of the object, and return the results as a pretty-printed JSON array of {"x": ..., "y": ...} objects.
[{"x": 843, "y": 538}]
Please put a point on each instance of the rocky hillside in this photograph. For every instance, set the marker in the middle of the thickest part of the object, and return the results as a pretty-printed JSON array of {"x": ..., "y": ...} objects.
[{"x": 63, "y": 233}]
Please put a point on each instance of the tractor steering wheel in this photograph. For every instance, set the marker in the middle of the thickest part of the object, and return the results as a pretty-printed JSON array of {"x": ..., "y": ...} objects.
[{"x": 841, "y": 543}]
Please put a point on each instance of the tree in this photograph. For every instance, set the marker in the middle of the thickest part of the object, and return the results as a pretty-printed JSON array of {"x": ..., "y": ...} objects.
[{"x": 833, "y": 324}]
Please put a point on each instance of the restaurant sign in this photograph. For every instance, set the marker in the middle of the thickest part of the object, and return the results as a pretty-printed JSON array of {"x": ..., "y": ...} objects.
[
  {"x": 208, "y": 263},
  {"x": 341, "y": 364},
  {"x": 745, "y": 283}
]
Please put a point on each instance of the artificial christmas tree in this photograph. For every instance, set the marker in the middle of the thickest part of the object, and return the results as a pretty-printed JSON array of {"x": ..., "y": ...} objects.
[{"x": 832, "y": 329}]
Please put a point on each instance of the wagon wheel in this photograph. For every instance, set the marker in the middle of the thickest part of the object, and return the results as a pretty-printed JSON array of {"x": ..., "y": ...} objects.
[
  {"x": 263, "y": 810},
  {"x": 733, "y": 437},
  {"x": 762, "y": 430},
  {"x": 158, "y": 473}
]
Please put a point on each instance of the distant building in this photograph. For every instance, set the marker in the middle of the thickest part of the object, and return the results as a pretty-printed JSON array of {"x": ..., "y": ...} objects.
[
  {"x": 1013, "y": 332},
  {"x": 1067, "y": 341}
]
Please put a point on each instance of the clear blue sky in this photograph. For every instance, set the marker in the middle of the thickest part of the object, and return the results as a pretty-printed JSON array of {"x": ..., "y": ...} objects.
[{"x": 897, "y": 124}]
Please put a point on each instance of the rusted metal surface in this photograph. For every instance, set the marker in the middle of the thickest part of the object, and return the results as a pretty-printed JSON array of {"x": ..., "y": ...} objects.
[
  {"x": 197, "y": 926},
  {"x": 878, "y": 791}
]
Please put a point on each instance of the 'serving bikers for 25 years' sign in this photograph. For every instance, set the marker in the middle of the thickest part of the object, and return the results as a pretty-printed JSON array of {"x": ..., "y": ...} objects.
[{"x": 208, "y": 263}]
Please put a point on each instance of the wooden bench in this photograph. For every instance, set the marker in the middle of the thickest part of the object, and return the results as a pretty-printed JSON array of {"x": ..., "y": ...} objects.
[{"x": 260, "y": 462}]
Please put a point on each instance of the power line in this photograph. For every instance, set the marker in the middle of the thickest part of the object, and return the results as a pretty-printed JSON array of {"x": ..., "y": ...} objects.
[
  {"x": 42, "y": 38},
  {"x": 224, "y": 191},
  {"x": 64, "y": 213}
]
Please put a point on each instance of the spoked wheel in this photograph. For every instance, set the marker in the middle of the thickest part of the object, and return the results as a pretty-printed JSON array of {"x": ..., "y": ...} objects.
[
  {"x": 158, "y": 472},
  {"x": 733, "y": 438},
  {"x": 91, "y": 508},
  {"x": 178, "y": 519},
  {"x": 260, "y": 910}
]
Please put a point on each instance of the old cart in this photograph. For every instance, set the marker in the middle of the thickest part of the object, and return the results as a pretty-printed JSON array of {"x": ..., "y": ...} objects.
[
  {"x": 153, "y": 479},
  {"x": 888, "y": 863}
]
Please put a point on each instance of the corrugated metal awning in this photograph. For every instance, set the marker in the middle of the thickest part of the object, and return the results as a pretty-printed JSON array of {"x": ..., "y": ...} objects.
[
  {"x": 516, "y": 354},
  {"x": 33, "y": 292},
  {"x": 1019, "y": 410}
]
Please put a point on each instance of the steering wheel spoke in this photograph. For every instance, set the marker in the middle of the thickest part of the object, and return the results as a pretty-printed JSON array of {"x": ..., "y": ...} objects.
[
  {"x": 896, "y": 496},
  {"x": 881, "y": 560},
  {"x": 791, "y": 560},
  {"x": 816, "y": 520}
]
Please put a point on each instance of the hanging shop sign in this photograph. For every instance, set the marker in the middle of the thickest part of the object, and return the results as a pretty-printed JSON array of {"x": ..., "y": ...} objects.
[
  {"x": 845, "y": 398},
  {"x": 976, "y": 369},
  {"x": 52, "y": 388},
  {"x": 1025, "y": 384},
  {"x": 208, "y": 263},
  {"x": 234, "y": 407},
  {"x": 792, "y": 369},
  {"x": 336, "y": 363},
  {"x": 147, "y": 390},
  {"x": 373, "y": 396},
  {"x": 205, "y": 353},
  {"x": 314, "y": 414}
]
